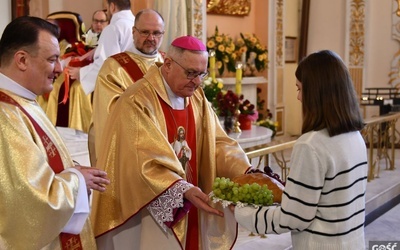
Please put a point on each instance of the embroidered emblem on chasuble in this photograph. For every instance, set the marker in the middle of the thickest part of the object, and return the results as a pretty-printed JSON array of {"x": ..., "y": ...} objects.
[{"x": 181, "y": 126}]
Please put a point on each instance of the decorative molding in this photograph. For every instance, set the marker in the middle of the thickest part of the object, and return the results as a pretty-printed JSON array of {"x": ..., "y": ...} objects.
[
  {"x": 394, "y": 73},
  {"x": 197, "y": 19},
  {"x": 279, "y": 32},
  {"x": 357, "y": 33},
  {"x": 396, "y": 20},
  {"x": 355, "y": 42},
  {"x": 276, "y": 49},
  {"x": 397, "y": 11},
  {"x": 229, "y": 7},
  {"x": 357, "y": 77}
]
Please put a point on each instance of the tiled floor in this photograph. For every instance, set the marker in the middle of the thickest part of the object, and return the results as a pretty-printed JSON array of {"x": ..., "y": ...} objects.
[{"x": 379, "y": 191}]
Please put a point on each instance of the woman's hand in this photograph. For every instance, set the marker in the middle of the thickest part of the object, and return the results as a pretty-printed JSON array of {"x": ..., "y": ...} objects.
[{"x": 232, "y": 208}]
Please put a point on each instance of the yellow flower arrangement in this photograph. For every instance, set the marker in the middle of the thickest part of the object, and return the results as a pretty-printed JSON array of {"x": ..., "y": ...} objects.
[
  {"x": 224, "y": 48},
  {"x": 256, "y": 54}
]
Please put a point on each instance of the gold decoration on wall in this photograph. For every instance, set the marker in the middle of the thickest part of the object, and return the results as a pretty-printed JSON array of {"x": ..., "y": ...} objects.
[
  {"x": 398, "y": 8},
  {"x": 229, "y": 7},
  {"x": 394, "y": 74},
  {"x": 356, "y": 43},
  {"x": 279, "y": 66},
  {"x": 198, "y": 18},
  {"x": 279, "y": 33},
  {"x": 357, "y": 32}
]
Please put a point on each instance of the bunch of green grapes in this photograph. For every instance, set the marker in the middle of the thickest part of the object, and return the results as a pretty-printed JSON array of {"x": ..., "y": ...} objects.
[{"x": 226, "y": 189}]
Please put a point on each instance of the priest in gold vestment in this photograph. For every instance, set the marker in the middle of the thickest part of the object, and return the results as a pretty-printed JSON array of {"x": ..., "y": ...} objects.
[
  {"x": 122, "y": 70},
  {"x": 44, "y": 197},
  {"x": 151, "y": 203}
]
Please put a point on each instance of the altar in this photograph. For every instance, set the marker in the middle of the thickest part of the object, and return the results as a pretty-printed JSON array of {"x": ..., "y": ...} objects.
[
  {"x": 257, "y": 135},
  {"x": 249, "y": 86}
]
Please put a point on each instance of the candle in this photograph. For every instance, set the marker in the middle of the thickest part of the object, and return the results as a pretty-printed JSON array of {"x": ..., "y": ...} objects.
[
  {"x": 212, "y": 65},
  {"x": 244, "y": 57},
  {"x": 238, "y": 85}
]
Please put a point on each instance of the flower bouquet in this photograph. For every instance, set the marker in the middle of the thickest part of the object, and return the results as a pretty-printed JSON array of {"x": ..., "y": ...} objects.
[
  {"x": 227, "y": 105},
  {"x": 248, "y": 114},
  {"x": 224, "y": 48},
  {"x": 256, "y": 54}
]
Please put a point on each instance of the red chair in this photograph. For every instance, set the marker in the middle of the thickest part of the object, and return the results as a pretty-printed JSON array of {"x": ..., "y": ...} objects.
[{"x": 70, "y": 24}]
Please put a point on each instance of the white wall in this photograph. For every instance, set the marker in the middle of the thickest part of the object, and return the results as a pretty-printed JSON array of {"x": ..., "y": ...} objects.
[
  {"x": 5, "y": 14},
  {"x": 380, "y": 45},
  {"x": 327, "y": 26}
]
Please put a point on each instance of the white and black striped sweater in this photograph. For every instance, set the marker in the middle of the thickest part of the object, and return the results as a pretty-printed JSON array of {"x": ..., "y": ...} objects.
[{"x": 323, "y": 204}]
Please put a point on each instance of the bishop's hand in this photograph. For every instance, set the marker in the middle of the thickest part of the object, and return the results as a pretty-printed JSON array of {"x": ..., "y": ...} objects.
[{"x": 200, "y": 200}]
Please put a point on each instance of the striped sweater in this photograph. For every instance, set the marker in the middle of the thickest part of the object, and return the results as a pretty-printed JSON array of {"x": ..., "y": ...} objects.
[{"x": 323, "y": 204}]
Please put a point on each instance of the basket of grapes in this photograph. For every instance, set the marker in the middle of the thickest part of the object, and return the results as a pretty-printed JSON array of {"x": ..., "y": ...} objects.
[{"x": 255, "y": 189}]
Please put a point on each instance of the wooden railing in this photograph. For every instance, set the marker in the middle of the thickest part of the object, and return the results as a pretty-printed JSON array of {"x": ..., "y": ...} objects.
[{"x": 380, "y": 135}]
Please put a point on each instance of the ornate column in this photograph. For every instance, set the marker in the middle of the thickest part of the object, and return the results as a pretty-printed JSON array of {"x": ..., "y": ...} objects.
[
  {"x": 276, "y": 67},
  {"x": 394, "y": 73},
  {"x": 197, "y": 19},
  {"x": 355, "y": 47}
]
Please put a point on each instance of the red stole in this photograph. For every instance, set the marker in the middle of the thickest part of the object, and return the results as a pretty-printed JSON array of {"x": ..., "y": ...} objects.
[
  {"x": 129, "y": 65},
  {"x": 68, "y": 241},
  {"x": 185, "y": 118}
]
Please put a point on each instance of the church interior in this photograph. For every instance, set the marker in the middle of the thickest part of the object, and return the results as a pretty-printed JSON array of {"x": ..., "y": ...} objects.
[{"x": 366, "y": 35}]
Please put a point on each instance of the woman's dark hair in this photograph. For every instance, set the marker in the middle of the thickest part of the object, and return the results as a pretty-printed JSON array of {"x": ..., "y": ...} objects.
[
  {"x": 23, "y": 33},
  {"x": 328, "y": 96}
]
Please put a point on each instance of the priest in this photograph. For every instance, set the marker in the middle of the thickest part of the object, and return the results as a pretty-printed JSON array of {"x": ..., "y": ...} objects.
[
  {"x": 122, "y": 70},
  {"x": 44, "y": 195},
  {"x": 152, "y": 204}
]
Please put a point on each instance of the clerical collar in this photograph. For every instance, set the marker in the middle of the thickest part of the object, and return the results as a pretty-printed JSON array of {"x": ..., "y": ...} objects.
[
  {"x": 12, "y": 86},
  {"x": 136, "y": 51},
  {"x": 177, "y": 102}
]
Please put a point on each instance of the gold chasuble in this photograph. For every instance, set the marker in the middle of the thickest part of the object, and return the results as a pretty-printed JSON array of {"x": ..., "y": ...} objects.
[
  {"x": 142, "y": 162},
  {"x": 111, "y": 82},
  {"x": 75, "y": 113},
  {"x": 28, "y": 180}
]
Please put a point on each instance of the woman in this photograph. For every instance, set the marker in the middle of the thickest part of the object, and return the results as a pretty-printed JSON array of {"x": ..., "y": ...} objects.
[{"x": 323, "y": 204}]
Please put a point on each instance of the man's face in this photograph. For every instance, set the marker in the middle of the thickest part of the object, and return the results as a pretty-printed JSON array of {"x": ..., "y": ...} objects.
[
  {"x": 43, "y": 66},
  {"x": 148, "y": 33},
  {"x": 180, "y": 69},
  {"x": 99, "y": 21}
]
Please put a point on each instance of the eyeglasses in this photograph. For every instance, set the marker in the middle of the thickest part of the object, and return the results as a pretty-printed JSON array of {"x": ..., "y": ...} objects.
[
  {"x": 192, "y": 74},
  {"x": 99, "y": 21},
  {"x": 146, "y": 33}
]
